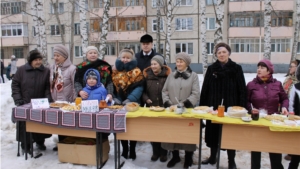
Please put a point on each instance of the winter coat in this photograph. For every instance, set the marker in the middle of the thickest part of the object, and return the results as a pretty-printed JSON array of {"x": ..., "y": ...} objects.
[
  {"x": 29, "y": 83},
  {"x": 13, "y": 68},
  {"x": 128, "y": 81},
  {"x": 144, "y": 61},
  {"x": 2, "y": 68},
  {"x": 154, "y": 85},
  {"x": 68, "y": 72},
  {"x": 289, "y": 82},
  {"x": 8, "y": 71},
  {"x": 97, "y": 92},
  {"x": 222, "y": 82},
  {"x": 266, "y": 95},
  {"x": 185, "y": 87},
  {"x": 105, "y": 72},
  {"x": 294, "y": 100}
]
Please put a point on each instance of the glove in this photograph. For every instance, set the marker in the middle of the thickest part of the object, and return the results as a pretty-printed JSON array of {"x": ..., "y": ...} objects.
[
  {"x": 125, "y": 101},
  {"x": 19, "y": 102},
  {"x": 117, "y": 101}
]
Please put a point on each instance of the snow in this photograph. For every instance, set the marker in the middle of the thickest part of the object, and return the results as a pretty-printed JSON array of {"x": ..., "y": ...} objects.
[{"x": 49, "y": 159}]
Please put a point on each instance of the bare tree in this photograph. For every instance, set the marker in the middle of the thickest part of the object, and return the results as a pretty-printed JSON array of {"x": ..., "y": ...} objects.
[
  {"x": 219, "y": 23},
  {"x": 83, "y": 26},
  {"x": 203, "y": 35},
  {"x": 296, "y": 31},
  {"x": 106, "y": 5},
  {"x": 158, "y": 19},
  {"x": 168, "y": 38},
  {"x": 267, "y": 27},
  {"x": 56, "y": 13},
  {"x": 72, "y": 30}
]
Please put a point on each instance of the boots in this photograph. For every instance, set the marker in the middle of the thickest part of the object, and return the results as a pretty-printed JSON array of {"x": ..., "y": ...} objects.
[
  {"x": 231, "y": 156},
  {"x": 175, "y": 159},
  {"x": 41, "y": 145},
  {"x": 156, "y": 152},
  {"x": 132, "y": 153},
  {"x": 125, "y": 148},
  {"x": 163, "y": 154},
  {"x": 213, "y": 157},
  {"x": 188, "y": 159}
]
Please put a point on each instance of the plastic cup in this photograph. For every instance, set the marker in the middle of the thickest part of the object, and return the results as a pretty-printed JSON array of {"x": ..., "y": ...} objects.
[
  {"x": 255, "y": 114},
  {"x": 221, "y": 110}
]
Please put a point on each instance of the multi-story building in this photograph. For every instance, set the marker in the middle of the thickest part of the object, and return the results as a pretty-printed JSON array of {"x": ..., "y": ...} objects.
[{"x": 243, "y": 29}]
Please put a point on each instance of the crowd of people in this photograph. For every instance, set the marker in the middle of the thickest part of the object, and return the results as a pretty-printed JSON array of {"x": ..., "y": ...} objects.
[{"x": 145, "y": 78}]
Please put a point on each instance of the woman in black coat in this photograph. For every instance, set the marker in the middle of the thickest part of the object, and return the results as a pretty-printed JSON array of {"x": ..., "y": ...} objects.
[{"x": 224, "y": 79}]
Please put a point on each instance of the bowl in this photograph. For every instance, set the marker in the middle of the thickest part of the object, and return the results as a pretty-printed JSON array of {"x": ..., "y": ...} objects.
[
  {"x": 132, "y": 106},
  {"x": 246, "y": 119}
]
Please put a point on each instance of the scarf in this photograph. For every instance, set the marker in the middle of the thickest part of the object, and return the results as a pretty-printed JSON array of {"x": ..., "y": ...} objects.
[
  {"x": 57, "y": 79},
  {"x": 184, "y": 74},
  {"x": 265, "y": 78}
]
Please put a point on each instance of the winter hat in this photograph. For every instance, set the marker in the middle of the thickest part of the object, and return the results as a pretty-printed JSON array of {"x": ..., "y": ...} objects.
[
  {"x": 185, "y": 57},
  {"x": 13, "y": 56},
  {"x": 92, "y": 48},
  {"x": 91, "y": 74},
  {"x": 298, "y": 72},
  {"x": 146, "y": 39},
  {"x": 34, "y": 54},
  {"x": 269, "y": 65},
  {"x": 159, "y": 59},
  {"x": 62, "y": 50}
]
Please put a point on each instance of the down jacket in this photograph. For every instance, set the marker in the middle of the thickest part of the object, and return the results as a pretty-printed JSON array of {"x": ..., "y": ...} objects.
[{"x": 97, "y": 92}]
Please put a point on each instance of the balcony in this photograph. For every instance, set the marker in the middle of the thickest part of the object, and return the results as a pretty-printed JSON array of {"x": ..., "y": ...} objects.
[
  {"x": 17, "y": 18},
  {"x": 118, "y": 36},
  {"x": 278, "y": 32},
  {"x": 283, "y": 5},
  {"x": 120, "y": 11},
  {"x": 14, "y": 41}
]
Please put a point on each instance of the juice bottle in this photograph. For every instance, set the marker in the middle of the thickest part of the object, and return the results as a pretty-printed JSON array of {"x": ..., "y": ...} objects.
[
  {"x": 102, "y": 104},
  {"x": 221, "y": 110},
  {"x": 78, "y": 101}
]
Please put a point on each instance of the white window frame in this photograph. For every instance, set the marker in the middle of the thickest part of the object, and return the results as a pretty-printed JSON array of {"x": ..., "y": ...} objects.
[
  {"x": 60, "y": 8},
  {"x": 12, "y": 28},
  {"x": 154, "y": 24},
  {"x": 187, "y": 3},
  {"x": 187, "y": 44},
  {"x": 56, "y": 28},
  {"x": 110, "y": 49},
  {"x": 76, "y": 28},
  {"x": 208, "y": 21},
  {"x": 19, "y": 52},
  {"x": 298, "y": 48},
  {"x": 79, "y": 48},
  {"x": 210, "y": 48},
  {"x": 183, "y": 24},
  {"x": 161, "y": 48}
]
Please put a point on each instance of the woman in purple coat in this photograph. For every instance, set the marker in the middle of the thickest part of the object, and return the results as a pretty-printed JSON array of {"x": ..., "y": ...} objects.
[{"x": 265, "y": 92}]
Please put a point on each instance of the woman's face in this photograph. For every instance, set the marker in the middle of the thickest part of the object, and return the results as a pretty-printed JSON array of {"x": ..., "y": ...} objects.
[
  {"x": 262, "y": 71},
  {"x": 156, "y": 68},
  {"x": 92, "y": 55},
  {"x": 181, "y": 65},
  {"x": 293, "y": 68},
  {"x": 58, "y": 59},
  {"x": 126, "y": 57},
  {"x": 223, "y": 55}
]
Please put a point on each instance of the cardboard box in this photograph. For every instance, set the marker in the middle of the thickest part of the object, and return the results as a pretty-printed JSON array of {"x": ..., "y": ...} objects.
[{"x": 81, "y": 154}]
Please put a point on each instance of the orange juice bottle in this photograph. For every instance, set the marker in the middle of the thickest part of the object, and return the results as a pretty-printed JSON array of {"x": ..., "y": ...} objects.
[
  {"x": 221, "y": 110},
  {"x": 78, "y": 101}
]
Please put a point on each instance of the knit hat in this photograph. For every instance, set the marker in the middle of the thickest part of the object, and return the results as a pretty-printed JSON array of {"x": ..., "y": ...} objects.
[
  {"x": 34, "y": 54},
  {"x": 269, "y": 65},
  {"x": 62, "y": 50},
  {"x": 298, "y": 72},
  {"x": 13, "y": 56},
  {"x": 159, "y": 59},
  {"x": 92, "y": 48},
  {"x": 185, "y": 57},
  {"x": 146, "y": 39},
  {"x": 91, "y": 74}
]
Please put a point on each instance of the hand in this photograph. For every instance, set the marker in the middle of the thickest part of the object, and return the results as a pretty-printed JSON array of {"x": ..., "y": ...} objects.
[
  {"x": 110, "y": 97},
  {"x": 19, "y": 102},
  {"x": 284, "y": 111},
  {"x": 125, "y": 101},
  {"x": 117, "y": 101},
  {"x": 148, "y": 101},
  {"x": 83, "y": 94}
]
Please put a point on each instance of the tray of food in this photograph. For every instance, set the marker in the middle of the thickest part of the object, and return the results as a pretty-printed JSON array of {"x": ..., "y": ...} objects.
[
  {"x": 71, "y": 107},
  {"x": 202, "y": 109},
  {"x": 132, "y": 106},
  {"x": 115, "y": 107},
  {"x": 58, "y": 104},
  {"x": 236, "y": 112},
  {"x": 156, "y": 108}
]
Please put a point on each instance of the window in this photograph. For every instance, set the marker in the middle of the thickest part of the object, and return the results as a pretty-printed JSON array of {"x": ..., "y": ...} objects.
[
  {"x": 55, "y": 29},
  {"x": 60, "y": 8},
  {"x": 184, "y": 47},
  {"x": 211, "y": 2},
  {"x": 52, "y": 52},
  {"x": 78, "y": 51},
  {"x": 110, "y": 49},
  {"x": 210, "y": 48},
  {"x": 8, "y": 8},
  {"x": 132, "y": 24},
  {"x": 211, "y": 23},
  {"x": 135, "y": 46},
  {"x": 184, "y": 23},
  {"x": 77, "y": 29},
  {"x": 77, "y": 6},
  {"x": 298, "y": 47},
  {"x": 154, "y": 25},
  {"x": 245, "y": 19},
  {"x": 282, "y": 18},
  {"x": 246, "y": 45},
  {"x": 160, "y": 50},
  {"x": 280, "y": 45},
  {"x": 18, "y": 52},
  {"x": 33, "y": 31},
  {"x": 2, "y": 54},
  {"x": 156, "y": 3},
  {"x": 14, "y": 30},
  {"x": 95, "y": 25},
  {"x": 183, "y": 2}
]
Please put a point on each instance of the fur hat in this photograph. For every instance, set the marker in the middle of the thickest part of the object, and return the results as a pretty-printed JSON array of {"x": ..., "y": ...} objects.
[
  {"x": 159, "y": 59},
  {"x": 146, "y": 39},
  {"x": 34, "y": 54},
  {"x": 269, "y": 65},
  {"x": 185, "y": 57},
  {"x": 92, "y": 48},
  {"x": 62, "y": 50}
]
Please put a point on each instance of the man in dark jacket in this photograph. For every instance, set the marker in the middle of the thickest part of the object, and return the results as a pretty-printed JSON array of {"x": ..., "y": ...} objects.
[
  {"x": 2, "y": 71},
  {"x": 144, "y": 57},
  {"x": 31, "y": 81}
]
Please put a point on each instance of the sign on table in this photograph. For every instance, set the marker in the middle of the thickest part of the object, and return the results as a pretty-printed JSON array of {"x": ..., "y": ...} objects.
[
  {"x": 89, "y": 106},
  {"x": 40, "y": 103}
]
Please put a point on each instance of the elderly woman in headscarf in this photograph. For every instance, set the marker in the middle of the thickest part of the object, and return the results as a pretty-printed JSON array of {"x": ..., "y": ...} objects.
[
  {"x": 265, "y": 92},
  {"x": 182, "y": 84}
]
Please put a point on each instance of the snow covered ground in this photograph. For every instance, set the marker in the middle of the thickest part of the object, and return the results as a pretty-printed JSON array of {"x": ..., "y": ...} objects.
[{"x": 49, "y": 160}]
